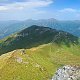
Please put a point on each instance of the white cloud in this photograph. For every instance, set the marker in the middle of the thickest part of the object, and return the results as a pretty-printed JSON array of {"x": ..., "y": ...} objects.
[
  {"x": 68, "y": 14},
  {"x": 68, "y": 10},
  {"x": 27, "y": 5},
  {"x": 3, "y": 8}
]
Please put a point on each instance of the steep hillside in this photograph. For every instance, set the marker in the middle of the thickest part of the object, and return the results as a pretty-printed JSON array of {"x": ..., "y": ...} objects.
[{"x": 34, "y": 36}]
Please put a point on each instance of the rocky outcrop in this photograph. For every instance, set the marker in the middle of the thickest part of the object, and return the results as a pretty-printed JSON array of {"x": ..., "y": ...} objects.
[{"x": 67, "y": 73}]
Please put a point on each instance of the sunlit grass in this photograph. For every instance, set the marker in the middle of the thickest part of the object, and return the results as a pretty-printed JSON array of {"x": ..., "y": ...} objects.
[{"x": 38, "y": 63}]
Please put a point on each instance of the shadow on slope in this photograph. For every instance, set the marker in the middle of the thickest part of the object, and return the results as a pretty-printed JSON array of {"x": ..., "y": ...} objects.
[{"x": 34, "y": 36}]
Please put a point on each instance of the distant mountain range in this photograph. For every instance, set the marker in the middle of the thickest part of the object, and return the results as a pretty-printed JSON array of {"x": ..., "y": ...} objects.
[{"x": 9, "y": 27}]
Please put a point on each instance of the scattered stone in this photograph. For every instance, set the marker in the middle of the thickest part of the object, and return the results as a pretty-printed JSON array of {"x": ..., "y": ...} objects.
[
  {"x": 19, "y": 60},
  {"x": 26, "y": 62},
  {"x": 23, "y": 51},
  {"x": 37, "y": 65}
]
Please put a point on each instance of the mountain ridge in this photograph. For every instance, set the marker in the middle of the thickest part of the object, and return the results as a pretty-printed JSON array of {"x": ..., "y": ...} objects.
[
  {"x": 10, "y": 27},
  {"x": 34, "y": 36},
  {"x": 35, "y": 53}
]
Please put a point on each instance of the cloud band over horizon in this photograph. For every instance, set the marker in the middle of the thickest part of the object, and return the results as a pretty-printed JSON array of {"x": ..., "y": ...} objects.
[{"x": 37, "y": 9}]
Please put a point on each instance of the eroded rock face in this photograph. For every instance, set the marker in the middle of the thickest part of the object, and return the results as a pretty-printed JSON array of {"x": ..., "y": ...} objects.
[{"x": 67, "y": 73}]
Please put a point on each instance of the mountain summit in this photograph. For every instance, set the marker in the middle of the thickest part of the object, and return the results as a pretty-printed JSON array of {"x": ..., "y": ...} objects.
[{"x": 35, "y": 36}]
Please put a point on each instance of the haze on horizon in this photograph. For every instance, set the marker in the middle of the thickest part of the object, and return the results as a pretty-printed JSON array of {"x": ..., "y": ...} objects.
[{"x": 39, "y": 9}]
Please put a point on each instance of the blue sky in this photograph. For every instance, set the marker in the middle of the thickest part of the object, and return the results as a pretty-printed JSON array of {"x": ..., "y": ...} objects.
[{"x": 39, "y": 9}]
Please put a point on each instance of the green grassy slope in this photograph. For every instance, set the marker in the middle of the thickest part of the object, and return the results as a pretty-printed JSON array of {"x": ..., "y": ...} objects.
[
  {"x": 36, "y": 53},
  {"x": 38, "y": 63}
]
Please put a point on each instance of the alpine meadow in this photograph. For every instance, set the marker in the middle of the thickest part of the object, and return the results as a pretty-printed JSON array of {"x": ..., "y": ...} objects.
[{"x": 39, "y": 40}]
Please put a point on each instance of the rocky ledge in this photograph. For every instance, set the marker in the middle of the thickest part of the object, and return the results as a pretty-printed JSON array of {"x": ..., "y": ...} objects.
[{"x": 67, "y": 73}]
